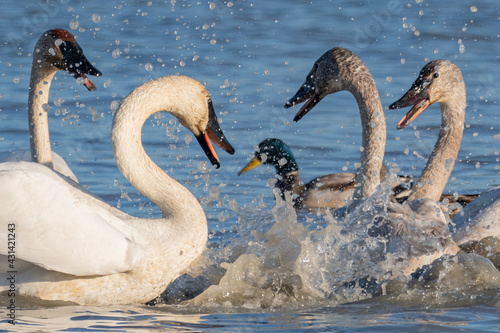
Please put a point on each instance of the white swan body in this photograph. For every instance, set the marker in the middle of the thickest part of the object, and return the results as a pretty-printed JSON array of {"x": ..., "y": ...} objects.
[
  {"x": 24, "y": 154},
  {"x": 55, "y": 50},
  {"x": 71, "y": 246},
  {"x": 479, "y": 219}
]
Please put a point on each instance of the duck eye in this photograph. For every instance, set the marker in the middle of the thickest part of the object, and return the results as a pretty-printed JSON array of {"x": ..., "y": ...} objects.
[{"x": 436, "y": 75}]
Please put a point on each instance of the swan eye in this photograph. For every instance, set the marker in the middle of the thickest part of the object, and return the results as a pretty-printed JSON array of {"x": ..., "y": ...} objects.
[{"x": 436, "y": 75}]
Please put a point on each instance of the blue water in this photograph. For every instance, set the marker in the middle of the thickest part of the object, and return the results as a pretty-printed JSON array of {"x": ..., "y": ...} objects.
[{"x": 252, "y": 56}]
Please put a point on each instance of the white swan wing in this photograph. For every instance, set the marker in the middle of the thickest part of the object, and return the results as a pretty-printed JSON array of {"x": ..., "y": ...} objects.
[
  {"x": 62, "y": 167},
  {"x": 24, "y": 154},
  {"x": 78, "y": 235},
  {"x": 479, "y": 219}
]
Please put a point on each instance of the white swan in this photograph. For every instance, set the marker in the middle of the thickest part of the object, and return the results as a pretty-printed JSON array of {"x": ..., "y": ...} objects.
[
  {"x": 480, "y": 218},
  {"x": 70, "y": 246},
  {"x": 55, "y": 50}
]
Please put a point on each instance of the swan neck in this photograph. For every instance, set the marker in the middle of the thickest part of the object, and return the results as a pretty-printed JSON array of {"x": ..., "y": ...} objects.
[
  {"x": 440, "y": 164},
  {"x": 38, "y": 99},
  {"x": 373, "y": 136},
  {"x": 174, "y": 200}
]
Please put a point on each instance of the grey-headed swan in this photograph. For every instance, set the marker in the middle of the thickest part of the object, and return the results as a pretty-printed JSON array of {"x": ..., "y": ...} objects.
[
  {"x": 420, "y": 224},
  {"x": 340, "y": 69}
]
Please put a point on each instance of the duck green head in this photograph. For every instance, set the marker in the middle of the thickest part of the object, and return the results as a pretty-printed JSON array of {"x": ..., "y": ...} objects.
[{"x": 273, "y": 152}]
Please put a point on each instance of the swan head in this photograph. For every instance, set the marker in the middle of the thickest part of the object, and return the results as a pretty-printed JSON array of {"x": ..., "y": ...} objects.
[
  {"x": 436, "y": 83},
  {"x": 334, "y": 71},
  {"x": 57, "y": 48},
  {"x": 273, "y": 152},
  {"x": 194, "y": 109}
]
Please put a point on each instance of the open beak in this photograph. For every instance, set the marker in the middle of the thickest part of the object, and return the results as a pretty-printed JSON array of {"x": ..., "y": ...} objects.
[
  {"x": 305, "y": 93},
  {"x": 213, "y": 133},
  {"x": 254, "y": 163},
  {"x": 208, "y": 149},
  {"x": 77, "y": 64},
  {"x": 418, "y": 97}
]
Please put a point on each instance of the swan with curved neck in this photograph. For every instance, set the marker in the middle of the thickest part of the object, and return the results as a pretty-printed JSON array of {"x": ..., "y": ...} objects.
[
  {"x": 421, "y": 220},
  {"x": 414, "y": 224},
  {"x": 440, "y": 81},
  {"x": 340, "y": 69},
  {"x": 55, "y": 50},
  {"x": 74, "y": 247}
]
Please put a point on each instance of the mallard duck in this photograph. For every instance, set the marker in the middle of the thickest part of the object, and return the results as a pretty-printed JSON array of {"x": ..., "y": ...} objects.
[{"x": 329, "y": 191}]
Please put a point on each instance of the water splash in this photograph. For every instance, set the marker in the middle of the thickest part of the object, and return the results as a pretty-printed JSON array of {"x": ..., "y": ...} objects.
[{"x": 288, "y": 259}]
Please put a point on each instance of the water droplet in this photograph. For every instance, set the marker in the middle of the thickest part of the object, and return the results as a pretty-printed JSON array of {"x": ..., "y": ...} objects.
[
  {"x": 58, "y": 101},
  {"x": 114, "y": 106},
  {"x": 461, "y": 48},
  {"x": 221, "y": 217},
  {"x": 352, "y": 248},
  {"x": 473, "y": 9},
  {"x": 148, "y": 67},
  {"x": 107, "y": 83},
  {"x": 74, "y": 24},
  {"x": 116, "y": 53},
  {"x": 93, "y": 111},
  {"x": 16, "y": 80},
  {"x": 96, "y": 18},
  {"x": 233, "y": 205},
  {"x": 202, "y": 166}
]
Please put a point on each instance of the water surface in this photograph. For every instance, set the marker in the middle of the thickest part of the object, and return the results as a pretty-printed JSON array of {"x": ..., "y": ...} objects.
[{"x": 252, "y": 56}]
